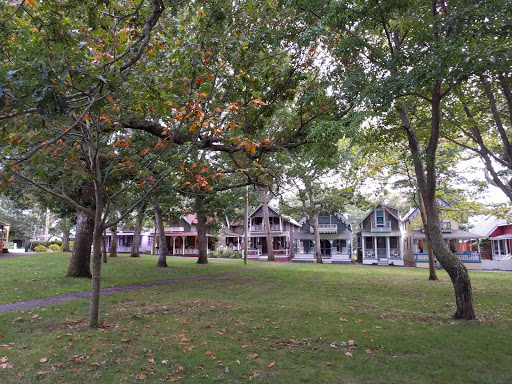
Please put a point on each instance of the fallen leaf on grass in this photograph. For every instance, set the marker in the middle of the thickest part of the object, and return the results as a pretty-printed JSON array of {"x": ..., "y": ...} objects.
[
  {"x": 208, "y": 353},
  {"x": 6, "y": 365},
  {"x": 348, "y": 353},
  {"x": 43, "y": 360},
  {"x": 140, "y": 376},
  {"x": 3, "y": 359},
  {"x": 272, "y": 364},
  {"x": 369, "y": 351},
  {"x": 253, "y": 355}
]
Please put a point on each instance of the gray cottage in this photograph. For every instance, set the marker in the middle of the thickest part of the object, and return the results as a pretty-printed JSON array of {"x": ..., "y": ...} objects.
[
  {"x": 379, "y": 240},
  {"x": 282, "y": 230},
  {"x": 335, "y": 240}
]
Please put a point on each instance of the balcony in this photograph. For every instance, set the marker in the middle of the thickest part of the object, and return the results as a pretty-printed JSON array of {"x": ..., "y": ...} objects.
[
  {"x": 325, "y": 228},
  {"x": 261, "y": 228},
  {"x": 446, "y": 227},
  {"x": 174, "y": 229},
  {"x": 381, "y": 227}
]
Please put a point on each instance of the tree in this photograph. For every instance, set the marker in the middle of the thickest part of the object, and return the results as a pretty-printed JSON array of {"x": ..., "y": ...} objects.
[
  {"x": 139, "y": 219},
  {"x": 406, "y": 55},
  {"x": 160, "y": 229}
]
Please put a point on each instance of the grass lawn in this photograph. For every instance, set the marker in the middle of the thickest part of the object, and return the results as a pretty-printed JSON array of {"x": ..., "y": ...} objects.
[{"x": 299, "y": 323}]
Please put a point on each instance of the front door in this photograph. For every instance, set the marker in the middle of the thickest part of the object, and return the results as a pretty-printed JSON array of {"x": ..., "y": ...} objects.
[
  {"x": 381, "y": 248},
  {"x": 325, "y": 246}
]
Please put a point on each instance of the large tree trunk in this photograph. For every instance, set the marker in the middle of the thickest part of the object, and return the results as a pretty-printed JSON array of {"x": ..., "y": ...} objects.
[
  {"x": 79, "y": 266},
  {"x": 137, "y": 231},
  {"x": 94, "y": 303},
  {"x": 316, "y": 232},
  {"x": 427, "y": 187},
  {"x": 162, "y": 245},
  {"x": 431, "y": 259},
  {"x": 66, "y": 229},
  {"x": 104, "y": 247},
  {"x": 113, "y": 241},
  {"x": 266, "y": 220},
  {"x": 202, "y": 241}
]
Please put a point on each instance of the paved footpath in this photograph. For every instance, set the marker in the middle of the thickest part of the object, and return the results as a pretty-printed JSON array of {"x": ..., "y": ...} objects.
[{"x": 52, "y": 300}]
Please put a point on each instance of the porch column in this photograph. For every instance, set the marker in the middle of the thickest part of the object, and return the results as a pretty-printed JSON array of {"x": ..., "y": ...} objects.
[
  {"x": 183, "y": 243},
  {"x": 173, "y": 245},
  {"x": 499, "y": 248},
  {"x": 388, "y": 250},
  {"x": 331, "y": 241},
  {"x": 375, "y": 245},
  {"x": 362, "y": 244}
]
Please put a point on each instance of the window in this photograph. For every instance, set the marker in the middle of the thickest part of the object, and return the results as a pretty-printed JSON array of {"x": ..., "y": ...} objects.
[
  {"x": 379, "y": 217},
  {"x": 368, "y": 243},
  {"x": 393, "y": 242}
]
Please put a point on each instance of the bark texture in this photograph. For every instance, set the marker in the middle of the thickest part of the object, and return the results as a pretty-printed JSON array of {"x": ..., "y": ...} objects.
[
  {"x": 431, "y": 258},
  {"x": 202, "y": 240},
  {"x": 318, "y": 249},
  {"x": 80, "y": 263},
  {"x": 66, "y": 229},
  {"x": 162, "y": 244},
  {"x": 113, "y": 242},
  {"x": 266, "y": 221},
  {"x": 137, "y": 231}
]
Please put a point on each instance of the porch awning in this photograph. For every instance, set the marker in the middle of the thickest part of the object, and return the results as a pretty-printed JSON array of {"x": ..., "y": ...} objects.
[{"x": 454, "y": 234}]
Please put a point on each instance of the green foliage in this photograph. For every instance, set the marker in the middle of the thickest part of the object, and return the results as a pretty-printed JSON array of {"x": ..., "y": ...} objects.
[
  {"x": 40, "y": 248},
  {"x": 55, "y": 247},
  {"x": 226, "y": 253}
]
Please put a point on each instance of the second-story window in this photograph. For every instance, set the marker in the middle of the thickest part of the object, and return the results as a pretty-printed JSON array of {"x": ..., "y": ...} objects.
[{"x": 379, "y": 217}]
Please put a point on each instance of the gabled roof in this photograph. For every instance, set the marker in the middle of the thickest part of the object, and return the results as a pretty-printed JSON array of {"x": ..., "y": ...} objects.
[
  {"x": 384, "y": 206},
  {"x": 276, "y": 211},
  {"x": 488, "y": 225},
  {"x": 339, "y": 215},
  {"x": 413, "y": 211},
  {"x": 410, "y": 214}
]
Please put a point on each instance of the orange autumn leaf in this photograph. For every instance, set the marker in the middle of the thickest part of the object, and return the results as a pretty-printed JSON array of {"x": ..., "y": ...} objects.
[
  {"x": 143, "y": 153},
  {"x": 86, "y": 117},
  {"x": 30, "y": 2},
  {"x": 272, "y": 364},
  {"x": 43, "y": 360}
]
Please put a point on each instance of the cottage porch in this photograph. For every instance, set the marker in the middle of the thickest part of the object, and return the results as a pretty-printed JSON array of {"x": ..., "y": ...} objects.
[{"x": 471, "y": 260}]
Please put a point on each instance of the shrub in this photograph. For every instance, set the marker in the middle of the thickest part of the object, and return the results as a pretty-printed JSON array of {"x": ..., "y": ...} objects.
[
  {"x": 40, "y": 248},
  {"x": 36, "y": 244},
  {"x": 226, "y": 253},
  {"x": 55, "y": 247}
]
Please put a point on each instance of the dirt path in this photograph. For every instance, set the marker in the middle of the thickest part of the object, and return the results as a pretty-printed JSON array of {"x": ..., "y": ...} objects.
[{"x": 52, "y": 300}]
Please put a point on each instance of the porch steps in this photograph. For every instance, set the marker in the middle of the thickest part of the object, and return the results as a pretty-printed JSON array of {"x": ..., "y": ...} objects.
[{"x": 382, "y": 262}]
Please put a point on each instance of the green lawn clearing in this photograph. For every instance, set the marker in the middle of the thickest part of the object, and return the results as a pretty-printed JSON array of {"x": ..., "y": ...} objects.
[{"x": 298, "y": 323}]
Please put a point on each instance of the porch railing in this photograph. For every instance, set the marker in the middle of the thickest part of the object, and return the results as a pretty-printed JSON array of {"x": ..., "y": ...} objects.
[
  {"x": 325, "y": 228},
  {"x": 472, "y": 257},
  {"x": 381, "y": 227}
]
